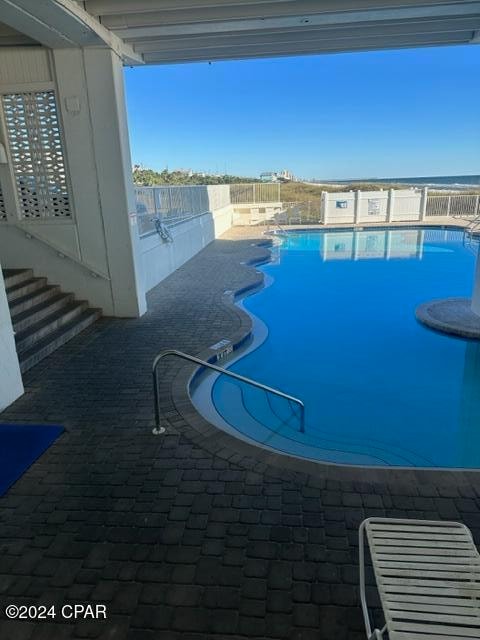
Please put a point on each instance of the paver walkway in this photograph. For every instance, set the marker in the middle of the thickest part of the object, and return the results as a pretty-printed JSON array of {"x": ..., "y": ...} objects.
[{"x": 178, "y": 543}]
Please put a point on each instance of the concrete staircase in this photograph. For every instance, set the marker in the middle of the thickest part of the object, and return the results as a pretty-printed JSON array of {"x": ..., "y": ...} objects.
[{"x": 43, "y": 317}]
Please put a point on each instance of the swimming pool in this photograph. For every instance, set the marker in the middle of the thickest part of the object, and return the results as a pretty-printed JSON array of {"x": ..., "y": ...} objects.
[{"x": 336, "y": 328}]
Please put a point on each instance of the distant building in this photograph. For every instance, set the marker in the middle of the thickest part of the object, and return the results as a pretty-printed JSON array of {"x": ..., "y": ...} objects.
[
  {"x": 277, "y": 176},
  {"x": 184, "y": 172},
  {"x": 286, "y": 175},
  {"x": 268, "y": 176}
]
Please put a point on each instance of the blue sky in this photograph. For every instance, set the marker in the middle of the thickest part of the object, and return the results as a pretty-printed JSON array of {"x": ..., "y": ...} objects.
[{"x": 377, "y": 114}]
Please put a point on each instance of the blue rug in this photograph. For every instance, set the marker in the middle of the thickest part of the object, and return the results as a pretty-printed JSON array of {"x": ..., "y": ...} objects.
[{"x": 20, "y": 446}]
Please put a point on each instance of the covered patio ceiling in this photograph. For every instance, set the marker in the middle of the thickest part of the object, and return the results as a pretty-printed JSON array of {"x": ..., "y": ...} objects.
[{"x": 169, "y": 31}]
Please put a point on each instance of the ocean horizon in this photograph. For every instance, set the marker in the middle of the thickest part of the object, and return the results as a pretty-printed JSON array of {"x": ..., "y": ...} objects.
[{"x": 437, "y": 182}]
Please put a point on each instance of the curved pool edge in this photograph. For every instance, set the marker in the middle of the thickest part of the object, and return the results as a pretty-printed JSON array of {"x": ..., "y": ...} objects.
[{"x": 261, "y": 459}]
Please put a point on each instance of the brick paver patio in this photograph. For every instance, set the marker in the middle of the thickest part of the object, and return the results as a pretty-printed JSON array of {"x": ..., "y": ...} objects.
[{"x": 180, "y": 543}]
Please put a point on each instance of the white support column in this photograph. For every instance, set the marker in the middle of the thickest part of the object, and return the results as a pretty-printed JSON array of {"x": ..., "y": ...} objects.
[
  {"x": 390, "y": 204},
  {"x": 11, "y": 386},
  {"x": 423, "y": 203},
  {"x": 91, "y": 98},
  {"x": 449, "y": 206},
  {"x": 358, "y": 204},
  {"x": 324, "y": 205},
  {"x": 105, "y": 84}
]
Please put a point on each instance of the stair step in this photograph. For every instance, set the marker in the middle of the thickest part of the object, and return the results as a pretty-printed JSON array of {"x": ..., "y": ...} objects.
[
  {"x": 12, "y": 277},
  {"x": 24, "y": 288},
  {"x": 57, "y": 338},
  {"x": 36, "y": 332},
  {"x": 33, "y": 315},
  {"x": 32, "y": 299}
]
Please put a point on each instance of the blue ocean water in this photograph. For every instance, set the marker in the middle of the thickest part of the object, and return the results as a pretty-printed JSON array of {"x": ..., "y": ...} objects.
[
  {"x": 379, "y": 388},
  {"x": 434, "y": 182}
]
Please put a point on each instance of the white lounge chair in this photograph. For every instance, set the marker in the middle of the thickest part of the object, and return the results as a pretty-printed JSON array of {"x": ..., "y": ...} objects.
[{"x": 428, "y": 578}]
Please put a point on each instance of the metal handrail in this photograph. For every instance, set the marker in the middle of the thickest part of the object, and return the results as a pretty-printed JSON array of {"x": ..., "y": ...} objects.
[{"x": 158, "y": 429}]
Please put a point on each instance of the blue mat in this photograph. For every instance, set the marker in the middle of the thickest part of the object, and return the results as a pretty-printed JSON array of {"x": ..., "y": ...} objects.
[{"x": 20, "y": 446}]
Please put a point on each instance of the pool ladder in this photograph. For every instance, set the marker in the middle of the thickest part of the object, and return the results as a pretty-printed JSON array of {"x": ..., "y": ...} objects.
[{"x": 159, "y": 429}]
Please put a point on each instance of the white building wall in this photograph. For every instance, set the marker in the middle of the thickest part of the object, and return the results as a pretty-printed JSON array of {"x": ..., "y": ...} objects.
[
  {"x": 93, "y": 254},
  {"x": 159, "y": 259},
  {"x": 11, "y": 386}
]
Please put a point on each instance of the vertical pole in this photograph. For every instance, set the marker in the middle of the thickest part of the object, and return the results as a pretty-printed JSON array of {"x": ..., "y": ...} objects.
[
  {"x": 423, "y": 203},
  {"x": 390, "y": 204},
  {"x": 449, "y": 205},
  {"x": 358, "y": 202},
  {"x": 324, "y": 207},
  {"x": 155, "y": 200}
]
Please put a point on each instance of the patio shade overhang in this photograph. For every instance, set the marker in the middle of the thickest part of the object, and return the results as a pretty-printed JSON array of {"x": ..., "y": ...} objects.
[{"x": 172, "y": 31}]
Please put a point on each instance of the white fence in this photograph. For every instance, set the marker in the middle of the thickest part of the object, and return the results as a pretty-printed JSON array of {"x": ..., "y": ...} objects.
[
  {"x": 177, "y": 204},
  {"x": 457, "y": 206},
  {"x": 255, "y": 193},
  {"x": 406, "y": 205}
]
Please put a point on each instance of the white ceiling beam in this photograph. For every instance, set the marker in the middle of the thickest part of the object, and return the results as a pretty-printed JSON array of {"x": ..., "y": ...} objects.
[
  {"x": 296, "y": 49},
  {"x": 330, "y": 19},
  {"x": 177, "y": 14},
  {"x": 109, "y": 7},
  {"x": 117, "y": 7},
  {"x": 62, "y": 24},
  {"x": 177, "y": 45}
]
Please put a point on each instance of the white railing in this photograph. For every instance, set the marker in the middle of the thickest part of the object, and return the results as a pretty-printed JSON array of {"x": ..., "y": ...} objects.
[
  {"x": 456, "y": 206},
  {"x": 175, "y": 204},
  {"x": 255, "y": 193}
]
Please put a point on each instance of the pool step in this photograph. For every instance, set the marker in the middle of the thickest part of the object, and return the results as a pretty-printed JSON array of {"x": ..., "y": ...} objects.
[{"x": 43, "y": 317}]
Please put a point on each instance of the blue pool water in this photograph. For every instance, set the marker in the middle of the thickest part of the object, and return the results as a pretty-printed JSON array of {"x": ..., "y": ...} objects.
[{"x": 378, "y": 387}]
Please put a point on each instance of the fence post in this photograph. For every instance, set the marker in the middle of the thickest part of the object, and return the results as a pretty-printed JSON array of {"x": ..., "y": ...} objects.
[
  {"x": 254, "y": 198},
  {"x": 477, "y": 202},
  {"x": 155, "y": 204},
  {"x": 390, "y": 204},
  {"x": 449, "y": 205},
  {"x": 356, "y": 215},
  {"x": 423, "y": 203},
  {"x": 324, "y": 211}
]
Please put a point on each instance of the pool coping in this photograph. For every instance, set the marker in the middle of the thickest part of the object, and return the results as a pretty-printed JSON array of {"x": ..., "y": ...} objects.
[{"x": 263, "y": 460}]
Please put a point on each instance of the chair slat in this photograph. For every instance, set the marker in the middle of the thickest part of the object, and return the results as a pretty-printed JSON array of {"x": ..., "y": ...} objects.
[
  {"x": 437, "y": 600},
  {"x": 399, "y": 635},
  {"x": 428, "y": 573},
  {"x": 463, "y": 589},
  {"x": 438, "y": 629},
  {"x": 416, "y": 528},
  {"x": 473, "y": 569},
  {"x": 425, "y": 616},
  {"x": 422, "y": 550},
  {"x": 397, "y": 608},
  {"x": 404, "y": 559}
]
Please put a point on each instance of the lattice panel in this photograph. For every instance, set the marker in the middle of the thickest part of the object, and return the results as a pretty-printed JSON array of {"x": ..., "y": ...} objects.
[
  {"x": 37, "y": 154},
  {"x": 3, "y": 211}
]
